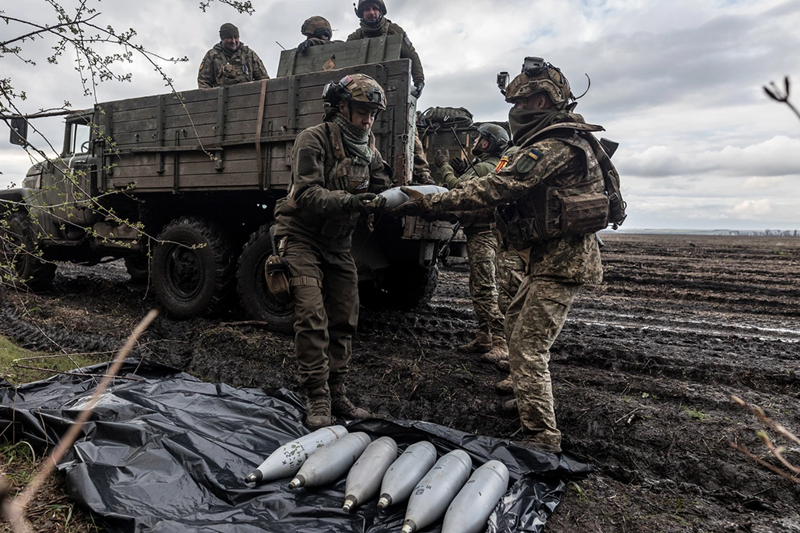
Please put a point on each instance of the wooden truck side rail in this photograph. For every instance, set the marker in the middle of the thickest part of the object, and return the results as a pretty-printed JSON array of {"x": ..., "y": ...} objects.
[{"x": 236, "y": 137}]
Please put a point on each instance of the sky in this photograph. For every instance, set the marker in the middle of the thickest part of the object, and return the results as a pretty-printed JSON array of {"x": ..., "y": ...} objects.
[{"x": 678, "y": 83}]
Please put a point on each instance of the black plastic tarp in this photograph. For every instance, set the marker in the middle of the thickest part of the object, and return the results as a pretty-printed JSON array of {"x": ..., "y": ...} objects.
[{"x": 166, "y": 452}]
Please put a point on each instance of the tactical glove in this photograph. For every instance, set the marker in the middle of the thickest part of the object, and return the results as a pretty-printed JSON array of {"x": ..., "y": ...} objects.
[
  {"x": 459, "y": 165},
  {"x": 413, "y": 207},
  {"x": 302, "y": 47},
  {"x": 440, "y": 158},
  {"x": 416, "y": 92},
  {"x": 366, "y": 203}
]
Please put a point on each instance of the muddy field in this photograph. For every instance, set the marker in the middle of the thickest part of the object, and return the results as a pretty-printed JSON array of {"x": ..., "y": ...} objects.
[{"x": 643, "y": 372}]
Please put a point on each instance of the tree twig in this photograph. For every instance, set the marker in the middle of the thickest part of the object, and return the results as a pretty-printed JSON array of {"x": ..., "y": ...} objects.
[{"x": 15, "y": 510}]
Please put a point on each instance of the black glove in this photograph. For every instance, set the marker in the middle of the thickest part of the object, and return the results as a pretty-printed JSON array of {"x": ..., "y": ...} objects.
[
  {"x": 302, "y": 47},
  {"x": 417, "y": 90},
  {"x": 365, "y": 203},
  {"x": 440, "y": 158},
  {"x": 459, "y": 165}
]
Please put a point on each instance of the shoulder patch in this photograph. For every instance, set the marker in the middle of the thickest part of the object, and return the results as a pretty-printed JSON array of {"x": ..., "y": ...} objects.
[
  {"x": 502, "y": 164},
  {"x": 201, "y": 64},
  {"x": 527, "y": 161},
  {"x": 406, "y": 39}
]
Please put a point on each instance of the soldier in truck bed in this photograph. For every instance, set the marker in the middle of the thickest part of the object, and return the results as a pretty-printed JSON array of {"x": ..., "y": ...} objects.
[
  {"x": 375, "y": 24},
  {"x": 230, "y": 62},
  {"x": 318, "y": 32}
]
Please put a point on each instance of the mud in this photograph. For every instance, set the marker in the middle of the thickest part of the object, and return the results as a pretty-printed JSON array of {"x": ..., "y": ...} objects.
[{"x": 643, "y": 372}]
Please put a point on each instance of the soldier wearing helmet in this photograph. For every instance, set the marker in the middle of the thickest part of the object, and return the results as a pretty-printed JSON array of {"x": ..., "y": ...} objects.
[
  {"x": 375, "y": 24},
  {"x": 336, "y": 173},
  {"x": 230, "y": 62},
  {"x": 490, "y": 338},
  {"x": 550, "y": 198},
  {"x": 318, "y": 32}
]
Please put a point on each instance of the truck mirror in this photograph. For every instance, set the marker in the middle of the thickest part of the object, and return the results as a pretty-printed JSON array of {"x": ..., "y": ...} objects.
[{"x": 19, "y": 131}]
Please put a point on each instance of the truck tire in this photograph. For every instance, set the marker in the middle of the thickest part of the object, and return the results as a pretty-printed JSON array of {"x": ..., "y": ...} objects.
[
  {"x": 410, "y": 287},
  {"x": 20, "y": 255},
  {"x": 138, "y": 267},
  {"x": 254, "y": 296},
  {"x": 192, "y": 267}
]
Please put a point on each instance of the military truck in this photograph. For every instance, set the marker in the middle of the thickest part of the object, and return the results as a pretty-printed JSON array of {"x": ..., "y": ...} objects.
[{"x": 183, "y": 186}]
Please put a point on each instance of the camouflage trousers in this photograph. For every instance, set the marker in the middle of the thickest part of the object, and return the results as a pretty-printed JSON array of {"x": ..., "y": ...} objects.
[
  {"x": 533, "y": 321},
  {"x": 481, "y": 250},
  {"x": 325, "y": 291},
  {"x": 510, "y": 273},
  {"x": 421, "y": 167}
]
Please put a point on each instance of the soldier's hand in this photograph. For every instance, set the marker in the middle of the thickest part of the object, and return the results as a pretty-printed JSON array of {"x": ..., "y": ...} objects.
[
  {"x": 303, "y": 47},
  {"x": 411, "y": 208},
  {"x": 365, "y": 203},
  {"x": 459, "y": 165},
  {"x": 440, "y": 158},
  {"x": 416, "y": 92}
]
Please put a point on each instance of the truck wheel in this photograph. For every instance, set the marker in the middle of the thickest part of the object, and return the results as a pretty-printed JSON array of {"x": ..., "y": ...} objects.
[
  {"x": 21, "y": 259},
  {"x": 192, "y": 267},
  {"x": 138, "y": 267},
  {"x": 254, "y": 296},
  {"x": 407, "y": 288}
]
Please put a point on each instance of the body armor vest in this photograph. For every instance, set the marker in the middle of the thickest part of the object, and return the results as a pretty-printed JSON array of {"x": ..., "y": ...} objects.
[{"x": 551, "y": 212}]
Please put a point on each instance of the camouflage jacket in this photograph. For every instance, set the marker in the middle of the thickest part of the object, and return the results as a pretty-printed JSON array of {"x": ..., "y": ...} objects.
[
  {"x": 223, "y": 68},
  {"x": 323, "y": 178},
  {"x": 407, "y": 51},
  {"x": 575, "y": 258},
  {"x": 472, "y": 221}
]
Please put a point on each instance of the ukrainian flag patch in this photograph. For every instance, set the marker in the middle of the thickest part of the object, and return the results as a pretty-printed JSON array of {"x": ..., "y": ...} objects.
[{"x": 527, "y": 161}]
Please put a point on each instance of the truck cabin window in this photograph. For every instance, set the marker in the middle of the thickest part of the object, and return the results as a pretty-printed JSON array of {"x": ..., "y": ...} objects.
[{"x": 79, "y": 138}]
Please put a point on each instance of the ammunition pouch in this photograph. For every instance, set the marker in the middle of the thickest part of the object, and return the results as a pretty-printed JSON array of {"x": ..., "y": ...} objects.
[
  {"x": 276, "y": 272},
  {"x": 555, "y": 213}
]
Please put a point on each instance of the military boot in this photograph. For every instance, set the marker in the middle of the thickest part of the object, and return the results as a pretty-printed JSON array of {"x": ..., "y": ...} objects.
[
  {"x": 506, "y": 386},
  {"x": 481, "y": 344},
  {"x": 499, "y": 351},
  {"x": 342, "y": 406},
  {"x": 318, "y": 408}
]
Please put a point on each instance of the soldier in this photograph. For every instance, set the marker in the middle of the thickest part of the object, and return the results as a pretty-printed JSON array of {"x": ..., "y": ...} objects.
[
  {"x": 490, "y": 339},
  {"x": 375, "y": 24},
  {"x": 230, "y": 62},
  {"x": 554, "y": 169},
  {"x": 336, "y": 171},
  {"x": 318, "y": 32}
]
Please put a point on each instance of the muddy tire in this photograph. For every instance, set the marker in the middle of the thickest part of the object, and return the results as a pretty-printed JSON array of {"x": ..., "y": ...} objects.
[
  {"x": 254, "y": 296},
  {"x": 21, "y": 261},
  {"x": 138, "y": 267},
  {"x": 407, "y": 288},
  {"x": 192, "y": 267}
]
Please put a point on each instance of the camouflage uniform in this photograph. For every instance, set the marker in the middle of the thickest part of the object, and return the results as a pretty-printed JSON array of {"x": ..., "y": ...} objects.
[
  {"x": 223, "y": 67},
  {"x": 421, "y": 170},
  {"x": 407, "y": 51},
  {"x": 481, "y": 251},
  {"x": 556, "y": 268}
]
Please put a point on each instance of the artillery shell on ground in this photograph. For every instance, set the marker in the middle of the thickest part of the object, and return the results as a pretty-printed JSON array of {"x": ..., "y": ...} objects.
[
  {"x": 287, "y": 460},
  {"x": 437, "y": 489},
  {"x": 474, "y": 503},
  {"x": 365, "y": 477},
  {"x": 405, "y": 473},
  {"x": 329, "y": 463}
]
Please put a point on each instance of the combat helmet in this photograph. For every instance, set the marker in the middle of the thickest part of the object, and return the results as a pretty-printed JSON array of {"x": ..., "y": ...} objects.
[
  {"x": 355, "y": 88},
  {"x": 363, "y": 3},
  {"x": 539, "y": 76},
  {"x": 496, "y": 135},
  {"x": 317, "y": 27}
]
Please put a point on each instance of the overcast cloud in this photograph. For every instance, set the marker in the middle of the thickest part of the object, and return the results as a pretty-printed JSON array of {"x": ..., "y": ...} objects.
[{"x": 677, "y": 83}]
